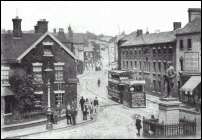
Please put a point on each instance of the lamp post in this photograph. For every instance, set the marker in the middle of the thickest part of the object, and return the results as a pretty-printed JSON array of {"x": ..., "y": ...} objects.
[{"x": 49, "y": 124}]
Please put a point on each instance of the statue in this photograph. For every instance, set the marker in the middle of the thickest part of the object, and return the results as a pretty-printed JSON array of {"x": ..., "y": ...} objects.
[{"x": 169, "y": 79}]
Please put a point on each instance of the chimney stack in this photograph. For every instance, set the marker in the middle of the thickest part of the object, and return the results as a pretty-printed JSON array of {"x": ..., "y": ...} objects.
[
  {"x": 176, "y": 25},
  {"x": 17, "y": 32},
  {"x": 139, "y": 32},
  {"x": 54, "y": 31},
  {"x": 193, "y": 13},
  {"x": 42, "y": 26}
]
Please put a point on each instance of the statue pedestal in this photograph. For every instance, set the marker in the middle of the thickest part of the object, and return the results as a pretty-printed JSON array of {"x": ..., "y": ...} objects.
[{"x": 169, "y": 110}]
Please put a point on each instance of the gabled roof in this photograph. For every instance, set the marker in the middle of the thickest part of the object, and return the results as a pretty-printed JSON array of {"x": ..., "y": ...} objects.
[
  {"x": 192, "y": 27},
  {"x": 152, "y": 38},
  {"x": 11, "y": 48},
  {"x": 14, "y": 49}
]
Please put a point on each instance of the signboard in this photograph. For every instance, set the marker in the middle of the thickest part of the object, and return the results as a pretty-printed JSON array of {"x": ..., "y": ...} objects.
[
  {"x": 138, "y": 100},
  {"x": 191, "y": 63}
]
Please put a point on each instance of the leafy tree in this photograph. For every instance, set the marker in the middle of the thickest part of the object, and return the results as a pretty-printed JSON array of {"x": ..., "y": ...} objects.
[{"x": 23, "y": 89}]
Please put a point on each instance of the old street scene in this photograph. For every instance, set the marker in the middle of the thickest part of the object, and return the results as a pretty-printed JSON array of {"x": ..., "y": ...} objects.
[{"x": 98, "y": 70}]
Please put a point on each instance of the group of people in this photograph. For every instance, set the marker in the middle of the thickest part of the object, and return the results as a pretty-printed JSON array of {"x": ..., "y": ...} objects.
[
  {"x": 88, "y": 107},
  {"x": 71, "y": 112}
]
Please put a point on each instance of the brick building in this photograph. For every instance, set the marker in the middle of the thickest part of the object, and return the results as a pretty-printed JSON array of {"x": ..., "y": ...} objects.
[
  {"x": 29, "y": 55},
  {"x": 150, "y": 54},
  {"x": 188, "y": 52}
]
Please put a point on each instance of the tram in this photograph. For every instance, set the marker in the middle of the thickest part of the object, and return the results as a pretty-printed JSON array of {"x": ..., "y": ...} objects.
[{"x": 125, "y": 89}]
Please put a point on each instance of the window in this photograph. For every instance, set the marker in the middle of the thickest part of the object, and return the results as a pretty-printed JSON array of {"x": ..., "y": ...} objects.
[
  {"x": 164, "y": 50},
  {"x": 189, "y": 44},
  {"x": 159, "y": 66},
  {"x": 159, "y": 86},
  {"x": 154, "y": 66},
  {"x": 59, "y": 98},
  {"x": 154, "y": 51},
  {"x": 170, "y": 50},
  {"x": 37, "y": 72},
  {"x": 149, "y": 66},
  {"x": 59, "y": 73},
  {"x": 181, "y": 45},
  {"x": 5, "y": 75},
  {"x": 131, "y": 64},
  {"x": 165, "y": 66},
  {"x": 140, "y": 65},
  {"x": 154, "y": 85},
  {"x": 159, "y": 51},
  {"x": 138, "y": 88},
  {"x": 135, "y": 64},
  {"x": 126, "y": 64}
]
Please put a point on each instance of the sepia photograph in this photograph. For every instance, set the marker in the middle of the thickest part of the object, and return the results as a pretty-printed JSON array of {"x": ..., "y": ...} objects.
[{"x": 100, "y": 69}]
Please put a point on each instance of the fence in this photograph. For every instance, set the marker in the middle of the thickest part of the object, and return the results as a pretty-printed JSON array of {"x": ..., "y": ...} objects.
[
  {"x": 183, "y": 128},
  {"x": 24, "y": 117}
]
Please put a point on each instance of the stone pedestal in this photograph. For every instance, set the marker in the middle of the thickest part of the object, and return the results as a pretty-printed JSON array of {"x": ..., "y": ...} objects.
[{"x": 169, "y": 112}]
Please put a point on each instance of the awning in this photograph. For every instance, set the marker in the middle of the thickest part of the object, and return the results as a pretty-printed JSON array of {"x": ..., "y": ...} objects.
[
  {"x": 191, "y": 84},
  {"x": 6, "y": 91}
]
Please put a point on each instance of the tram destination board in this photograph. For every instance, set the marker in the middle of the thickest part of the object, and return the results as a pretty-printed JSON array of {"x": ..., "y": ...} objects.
[{"x": 138, "y": 100}]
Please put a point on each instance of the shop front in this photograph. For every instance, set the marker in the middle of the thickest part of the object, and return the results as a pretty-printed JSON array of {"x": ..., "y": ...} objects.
[{"x": 190, "y": 92}]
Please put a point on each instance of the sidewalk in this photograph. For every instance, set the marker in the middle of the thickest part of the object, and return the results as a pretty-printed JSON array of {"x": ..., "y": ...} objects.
[{"x": 42, "y": 128}]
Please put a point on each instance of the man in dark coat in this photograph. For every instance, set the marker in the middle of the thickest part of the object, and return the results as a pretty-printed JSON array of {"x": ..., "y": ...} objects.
[
  {"x": 68, "y": 114},
  {"x": 138, "y": 125},
  {"x": 74, "y": 111},
  {"x": 95, "y": 103},
  {"x": 81, "y": 102}
]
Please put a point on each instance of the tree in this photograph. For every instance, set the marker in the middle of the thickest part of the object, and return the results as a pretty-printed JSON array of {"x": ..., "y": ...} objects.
[{"x": 24, "y": 95}]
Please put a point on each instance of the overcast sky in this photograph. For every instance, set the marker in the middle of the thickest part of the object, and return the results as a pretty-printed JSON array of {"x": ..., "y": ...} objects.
[{"x": 100, "y": 17}]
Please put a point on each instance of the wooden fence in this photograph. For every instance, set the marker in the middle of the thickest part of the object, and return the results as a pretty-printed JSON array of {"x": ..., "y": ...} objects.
[{"x": 183, "y": 128}]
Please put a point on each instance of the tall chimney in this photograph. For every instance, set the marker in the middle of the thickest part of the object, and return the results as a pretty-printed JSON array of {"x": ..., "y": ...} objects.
[
  {"x": 139, "y": 32},
  {"x": 193, "y": 13},
  {"x": 42, "y": 26},
  {"x": 36, "y": 29},
  {"x": 176, "y": 25},
  {"x": 54, "y": 31},
  {"x": 17, "y": 32}
]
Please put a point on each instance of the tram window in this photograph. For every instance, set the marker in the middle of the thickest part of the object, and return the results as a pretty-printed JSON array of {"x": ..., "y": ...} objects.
[{"x": 138, "y": 88}]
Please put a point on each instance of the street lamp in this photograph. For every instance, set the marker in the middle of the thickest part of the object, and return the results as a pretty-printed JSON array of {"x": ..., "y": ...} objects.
[{"x": 49, "y": 124}]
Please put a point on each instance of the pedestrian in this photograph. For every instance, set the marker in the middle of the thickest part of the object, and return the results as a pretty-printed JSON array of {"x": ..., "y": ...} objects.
[
  {"x": 91, "y": 109},
  {"x": 73, "y": 111},
  {"x": 138, "y": 125},
  {"x": 152, "y": 125},
  {"x": 95, "y": 103},
  {"x": 68, "y": 114},
  {"x": 85, "y": 112},
  {"x": 58, "y": 110},
  {"x": 98, "y": 82},
  {"x": 81, "y": 102}
]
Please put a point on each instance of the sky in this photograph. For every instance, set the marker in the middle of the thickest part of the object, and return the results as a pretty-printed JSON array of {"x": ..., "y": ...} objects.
[{"x": 99, "y": 17}]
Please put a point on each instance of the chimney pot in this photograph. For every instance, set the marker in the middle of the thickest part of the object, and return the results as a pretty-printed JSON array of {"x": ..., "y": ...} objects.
[
  {"x": 17, "y": 32},
  {"x": 139, "y": 32},
  {"x": 42, "y": 26},
  {"x": 176, "y": 25},
  {"x": 193, "y": 13}
]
